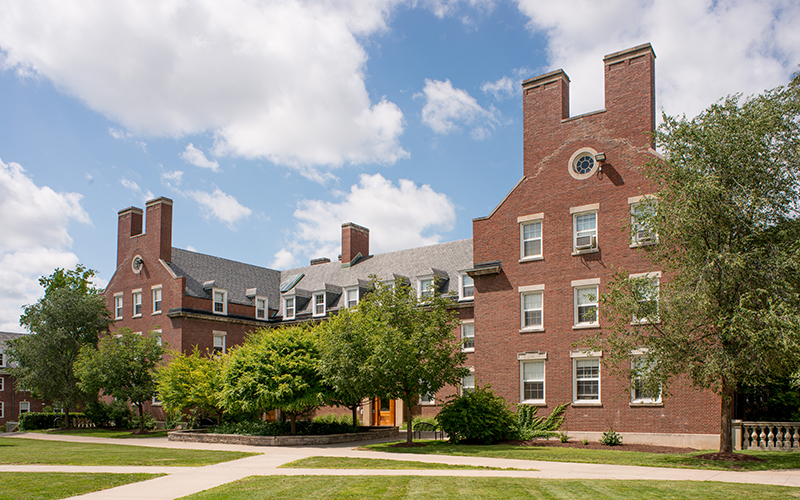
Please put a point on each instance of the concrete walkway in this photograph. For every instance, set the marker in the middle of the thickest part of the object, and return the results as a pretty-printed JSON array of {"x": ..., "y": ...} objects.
[{"x": 182, "y": 481}]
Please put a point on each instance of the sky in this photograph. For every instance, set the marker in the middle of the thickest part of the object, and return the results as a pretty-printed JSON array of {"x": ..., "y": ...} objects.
[{"x": 271, "y": 123}]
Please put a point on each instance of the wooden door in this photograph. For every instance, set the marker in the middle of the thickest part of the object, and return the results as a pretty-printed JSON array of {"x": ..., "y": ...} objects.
[{"x": 384, "y": 411}]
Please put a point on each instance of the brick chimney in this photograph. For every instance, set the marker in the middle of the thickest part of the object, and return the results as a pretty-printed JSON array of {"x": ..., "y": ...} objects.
[
  {"x": 129, "y": 226},
  {"x": 355, "y": 241},
  {"x": 159, "y": 227},
  {"x": 630, "y": 89}
]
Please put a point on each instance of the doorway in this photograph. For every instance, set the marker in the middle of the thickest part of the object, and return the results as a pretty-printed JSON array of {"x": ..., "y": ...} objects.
[{"x": 384, "y": 411}]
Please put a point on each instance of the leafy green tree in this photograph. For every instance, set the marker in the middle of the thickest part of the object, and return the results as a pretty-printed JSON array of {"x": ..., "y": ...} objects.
[
  {"x": 275, "y": 368},
  {"x": 191, "y": 382},
  {"x": 726, "y": 219},
  {"x": 477, "y": 417},
  {"x": 72, "y": 314},
  {"x": 122, "y": 366},
  {"x": 413, "y": 348},
  {"x": 345, "y": 348}
]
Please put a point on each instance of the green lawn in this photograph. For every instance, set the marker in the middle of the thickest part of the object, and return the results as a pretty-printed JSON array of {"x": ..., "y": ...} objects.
[
  {"x": 47, "y": 485},
  {"x": 33, "y": 451},
  {"x": 471, "y": 488},
  {"x": 105, "y": 433},
  {"x": 775, "y": 459},
  {"x": 377, "y": 463}
]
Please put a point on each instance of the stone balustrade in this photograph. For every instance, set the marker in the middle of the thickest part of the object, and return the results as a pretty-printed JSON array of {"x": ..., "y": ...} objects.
[{"x": 767, "y": 436}]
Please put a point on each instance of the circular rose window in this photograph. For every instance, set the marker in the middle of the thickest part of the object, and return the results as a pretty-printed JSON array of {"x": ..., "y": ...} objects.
[{"x": 582, "y": 164}]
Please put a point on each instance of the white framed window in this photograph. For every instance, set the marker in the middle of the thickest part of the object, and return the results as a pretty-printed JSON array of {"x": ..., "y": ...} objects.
[
  {"x": 157, "y": 335},
  {"x": 2, "y": 409},
  {"x": 585, "y": 377},
  {"x": 586, "y": 297},
  {"x": 219, "y": 343},
  {"x": 351, "y": 297},
  {"x": 468, "y": 335},
  {"x": 532, "y": 381},
  {"x": 466, "y": 287},
  {"x": 3, "y": 360},
  {"x": 156, "y": 400},
  {"x": 157, "y": 299},
  {"x": 583, "y": 164},
  {"x": 261, "y": 308},
  {"x": 642, "y": 206},
  {"x": 468, "y": 384},
  {"x": 220, "y": 301},
  {"x": 584, "y": 228},
  {"x": 644, "y": 288},
  {"x": 24, "y": 407},
  {"x": 137, "y": 303},
  {"x": 319, "y": 304},
  {"x": 642, "y": 392},
  {"x": 426, "y": 399},
  {"x": 288, "y": 308},
  {"x": 2, "y": 383},
  {"x": 118, "y": 305},
  {"x": 425, "y": 286},
  {"x": 532, "y": 307},
  {"x": 530, "y": 236}
]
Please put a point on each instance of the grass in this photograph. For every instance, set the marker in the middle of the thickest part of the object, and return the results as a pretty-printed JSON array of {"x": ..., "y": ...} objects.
[
  {"x": 774, "y": 459},
  {"x": 105, "y": 433},
  {"x": 19, "y": 451},
  {"x": 48, "y": 485},
  {"x": 469, "y": 488},
  {"x": 378, "y": 463}
]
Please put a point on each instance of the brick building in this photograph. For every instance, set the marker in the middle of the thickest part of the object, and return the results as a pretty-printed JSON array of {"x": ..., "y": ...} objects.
[
  {"x": 541, "y": 260},
  {"x": 13, "y": 402},
  {"x": 548, "y": 249}
]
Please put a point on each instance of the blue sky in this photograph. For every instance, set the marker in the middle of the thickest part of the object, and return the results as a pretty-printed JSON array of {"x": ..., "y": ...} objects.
[{"x": 272, "y": 123}]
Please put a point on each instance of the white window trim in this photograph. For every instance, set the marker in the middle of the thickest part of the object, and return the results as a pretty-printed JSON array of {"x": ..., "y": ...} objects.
[
  {"x": 214, "y": 292},
  {"x": 314, "y": 312},
  {"x": 217, "y": 334},
  {"x": 468, "y": 322},
  {"x": 2, "y": 409},
  {"x": 583, "y": 210},
  {"x": 158, "y": 335},
  {"x": 160, "y": 290},
  {"x": 3, "y": 360},
  {"x": 429, "y": 402},
  {"x": 653, "y": 275},
  {"x": 634, "y": 201},
  {"x": 134, "y": 294},
  {"x": 461, "y": 297},
  {"x": 586, "y": 355},
  {"x": 266, "y": 306},
  {"x": 523, "y": 291},
  {"x": 462, "y": 386},
  {"x": 420, "y": 290},
  {"x": 580, "y": 152},
  {"x": 118, "y": 312},
  {"x": 529, "y": 219},
  {"x": 28, "y": 404},
  {"x": 347, "y": 296},
  {"x": 533, "y": 402},
  {"x": 286, "y": 309},
  {"x": 582, "y": 284},
  {"x": 639, "y": 354},
  {"x": 2, "y": 383}
]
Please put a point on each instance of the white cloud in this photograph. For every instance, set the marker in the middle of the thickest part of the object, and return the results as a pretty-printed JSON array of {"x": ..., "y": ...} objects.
[
  {"x": 445, "y": 107},
  {"x": 198, "y": 158},
  {"x": 220, "y": 206},
  {"x": 284, "y": 259},
  {"x": 34, "y": 241},
  {"x": 398, "y": 216},
  {"x": 125, "y": 136},
  {"x": 282, "y": 80},
  {"x": 133, "y": 186},
  {"x": 173, "y": 178},
  {"x": 706, "y": 49}
]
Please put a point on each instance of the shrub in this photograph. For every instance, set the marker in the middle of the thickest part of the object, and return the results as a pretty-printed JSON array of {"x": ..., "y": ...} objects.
[
  {"x": 97, "y": 413},
  {"x": 120, "y": 414},
  {"x": 430, "y": 420},
  {"x": 31, "y": 421},
  {"x": 585, "y": 442},
  {"x": 563, "y": 437},
  {"x": 148, "y": 424},
  {"x": 611, "y": 438},
  {"x": 477, "y": 417},
  {"x": 529, "y": 426},
  {"x": 316, "y": 427}
]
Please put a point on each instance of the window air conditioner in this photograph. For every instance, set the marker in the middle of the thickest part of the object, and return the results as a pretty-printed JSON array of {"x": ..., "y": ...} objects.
[
  {"x": 644, "y": 237},
  {"x": 585, "y": 242}
]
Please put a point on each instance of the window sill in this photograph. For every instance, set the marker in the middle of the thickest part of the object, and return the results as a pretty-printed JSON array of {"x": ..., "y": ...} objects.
[
  {"x": 531, "y": 259},
  {"x": 427, "y": 403},
  {"x": 645, "y": 405},
  {"x": 118, "y": 318},
  {"x": 467, "y": 299},
  {"x": 534, "y": 402},
  {"x": 584, "y": 252},
  {"x": 136, "y": 316},
  {"x": 531, "y": 330},
  {"x": 641, "y": 245},
  {"x": 585, "y": 327},
  {"x": 587, "y": 403},
  {"x": 645, "y": 322},
  {"x": 220, "y": 313},
  {"x": 156, "y": 313},
  {"x": 468, "y": 349}
]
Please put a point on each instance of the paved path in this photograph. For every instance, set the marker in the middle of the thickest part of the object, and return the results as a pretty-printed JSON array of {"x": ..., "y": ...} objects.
[{"x": 182, "y": 481}]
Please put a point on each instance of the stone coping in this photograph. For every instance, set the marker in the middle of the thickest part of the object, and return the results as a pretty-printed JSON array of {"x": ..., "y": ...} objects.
[{"x": 201, "y": 436}]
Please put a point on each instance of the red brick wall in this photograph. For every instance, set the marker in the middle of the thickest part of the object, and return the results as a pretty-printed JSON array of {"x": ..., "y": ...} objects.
[
  {"x": 355, "y": 240},
  {"x": 621, "y": 131},
  {"x": 12, "y": 398}
]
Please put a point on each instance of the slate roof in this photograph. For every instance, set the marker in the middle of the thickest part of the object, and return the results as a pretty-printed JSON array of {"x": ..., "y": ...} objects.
[
  {"x": 4, "y": 336},
  {"x": 236, "y": 277},
  {"x": 444, "y": 259}
]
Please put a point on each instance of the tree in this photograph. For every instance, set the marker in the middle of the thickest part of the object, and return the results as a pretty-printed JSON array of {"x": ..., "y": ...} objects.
[
  {"x": 344, "y": 346},
  {"x": 71, "y": 315},
  {"x": 193, "y": 382},
  {"x": 413, "y": 348},
  {"x": 726, "y": 220},
  {"x": 122, "y": 366},
  {"x": 275, "y": 368}
]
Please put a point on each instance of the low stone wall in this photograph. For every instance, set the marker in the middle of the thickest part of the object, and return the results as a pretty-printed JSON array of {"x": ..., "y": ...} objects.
[
  {"x": 696, "y": 441},
  {"x": 200, "y": 436}
]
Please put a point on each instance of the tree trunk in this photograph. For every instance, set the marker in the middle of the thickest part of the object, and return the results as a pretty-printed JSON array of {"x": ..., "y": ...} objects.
[
  {"x": 355, "y": 416},
  {"x": 140, "y": 406},
  {"x": 292, "y": 420},
  {"x": 726, "y": 414},
  {"x": 66, "y": 417},
  {"x": 409, "y": 420}
]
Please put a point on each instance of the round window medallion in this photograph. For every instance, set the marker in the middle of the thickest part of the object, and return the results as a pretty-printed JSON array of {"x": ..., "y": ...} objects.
[
  {"x": 582, "y": 164},
  {"x": 137, "y": 264}
]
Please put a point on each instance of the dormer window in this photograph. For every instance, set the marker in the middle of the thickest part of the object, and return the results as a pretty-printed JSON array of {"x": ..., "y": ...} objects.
[
  {"x": 466, "y": 288},
  {"x": 351, "y": 297},
  {"x": 220, "y": 301},
  {"x": 319, "y": 304},
  {"x": 288, "y": 308},
  {"x": 261, "y": 308},
  {"x": 425, "y": 287}
]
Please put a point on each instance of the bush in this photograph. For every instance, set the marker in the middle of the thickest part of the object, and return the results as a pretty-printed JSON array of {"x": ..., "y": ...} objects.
[
  {"x": 97, "y": 413},
  {"x": 321, "y": 426},
  {"x": 611, "y": 438},
  {"x": 120, "y": 414},
  {"x": 31, "y": 421},
  {"x": 430, "y": 420},
  {"x": 563, "y": 437},
  {"x": 529, "y": 426},
  {"x": 477, "y": 417},
  {"x": 149, "y": 422}
]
